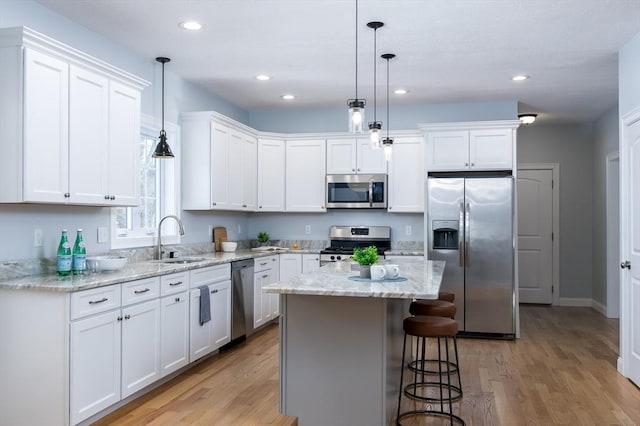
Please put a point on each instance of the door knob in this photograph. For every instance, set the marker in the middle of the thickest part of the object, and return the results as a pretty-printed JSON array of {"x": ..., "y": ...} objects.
[{"x": 625, "y": 264}]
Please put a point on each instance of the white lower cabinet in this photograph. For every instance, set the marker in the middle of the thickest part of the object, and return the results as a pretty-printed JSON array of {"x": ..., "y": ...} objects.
[
  {"x": 266, "y": 306},
  {"x": 310, "y": 262},
  {"x": 174, "y": 332}
]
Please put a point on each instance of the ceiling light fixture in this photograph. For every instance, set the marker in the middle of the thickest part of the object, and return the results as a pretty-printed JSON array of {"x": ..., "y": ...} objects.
[
  {"x": 375, "y": 126},
  {"x": 356, "y": 105},
  {"x": 288, "y": 97},
  {"x": 190, "y": 25},
  {"x": 527, "y": 118},
  {"x": 162, "y": 149},
  {"x": 401, "y": 91},
  {"x": 262, "y": 77},
  {"x": 387, "y": 142},
  {"x": 520, "y": 77}
]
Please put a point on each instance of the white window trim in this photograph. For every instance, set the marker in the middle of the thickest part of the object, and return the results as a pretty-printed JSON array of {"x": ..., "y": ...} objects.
[{"x": 150, "y": 125}]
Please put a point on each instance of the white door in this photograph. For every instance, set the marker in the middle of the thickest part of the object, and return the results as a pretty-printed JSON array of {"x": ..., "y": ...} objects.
[
  {"x": 249, "y": 172},
  {"x": 220, "y": 313},
  {"x": 200, "y": 342},
  {"x": 341, "y": 156},
  {"x": 613, "y": 235},
  {"x": 305, "y": 176},
  {"x": 630, "y": 247},
  {"x": 310, "y": 263},
  {"x": 271, "y": 176},
  {"x": 174, "y": 332},
  {"x": 370, "y": 160},
  {"x": 219, "y": 166},
  {"x": 140, "y": 346},
  {"x": 407, "y": 176},
  {"x": 234, "y": 172},
  {"x": 535, "y": 227}
]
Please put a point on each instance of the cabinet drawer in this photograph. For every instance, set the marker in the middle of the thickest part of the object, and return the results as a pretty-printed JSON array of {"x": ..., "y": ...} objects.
[
  {"x": 89, "y": 302},
  {"x": 174, "y": 283},
  {"x": 209, "y": 275},
  {"x": 264, "y": 263},
  {"x": 140, "y": 290}
]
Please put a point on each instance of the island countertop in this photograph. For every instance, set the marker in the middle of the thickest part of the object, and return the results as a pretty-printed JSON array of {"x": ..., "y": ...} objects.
[{"x": 422, "y": 281}]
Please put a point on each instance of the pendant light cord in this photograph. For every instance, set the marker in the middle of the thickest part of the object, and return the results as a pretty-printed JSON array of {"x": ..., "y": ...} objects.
[
  {"x": 356, "y": 49},
  {"x": 163, "y": 97},
  {"x": 387, "y": 99},
  {"x": 375, "y": 41}
]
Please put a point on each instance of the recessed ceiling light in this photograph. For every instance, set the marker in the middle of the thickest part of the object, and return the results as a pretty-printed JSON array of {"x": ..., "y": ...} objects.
[
  {"x": 263, "y": 77},
  {"x": 190, "y": 25},
  {"x": 288, "y": 97},
  {"x": 401, "y": 91},
  {"x": 520, "y": 77}
]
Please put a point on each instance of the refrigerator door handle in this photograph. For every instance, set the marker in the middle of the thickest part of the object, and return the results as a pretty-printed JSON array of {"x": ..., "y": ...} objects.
[
  {"x": 467, "y": 248},
  {"x": 461, "y": 235}
]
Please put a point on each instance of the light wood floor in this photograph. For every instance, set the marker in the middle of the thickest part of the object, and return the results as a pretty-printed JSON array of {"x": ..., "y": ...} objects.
[{"x": 562, "y": 371}]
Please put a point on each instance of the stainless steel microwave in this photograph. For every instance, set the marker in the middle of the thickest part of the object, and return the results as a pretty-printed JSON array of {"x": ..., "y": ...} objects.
[{"x": 357, "y": 191}]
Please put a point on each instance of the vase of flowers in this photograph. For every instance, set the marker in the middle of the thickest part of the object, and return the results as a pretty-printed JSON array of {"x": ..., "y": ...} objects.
[{"x": 365, "y": 257}]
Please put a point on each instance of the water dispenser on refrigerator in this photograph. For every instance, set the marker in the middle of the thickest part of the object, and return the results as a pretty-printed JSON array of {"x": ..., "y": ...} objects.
[{"x": 445, "y": 234}]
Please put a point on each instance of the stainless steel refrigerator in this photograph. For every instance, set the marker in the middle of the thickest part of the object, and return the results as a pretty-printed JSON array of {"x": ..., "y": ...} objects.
[{"x": 469, "y": 224}]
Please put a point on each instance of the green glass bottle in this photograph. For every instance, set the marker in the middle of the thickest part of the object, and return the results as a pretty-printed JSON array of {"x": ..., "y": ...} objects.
[
  {"x": 63, "y": 264},
  {"x": 79, "y": 265}
]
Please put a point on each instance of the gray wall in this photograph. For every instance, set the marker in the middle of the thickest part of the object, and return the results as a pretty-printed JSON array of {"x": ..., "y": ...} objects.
[
  {"x": 571, "y": 146},
  {"x": 605, "y": 141}
]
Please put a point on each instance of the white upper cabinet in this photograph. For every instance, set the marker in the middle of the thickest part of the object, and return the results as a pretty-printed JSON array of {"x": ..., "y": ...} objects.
[
  {"x": 470, "y": 146},
  {"x": 219, "y": 164},
  {"x": 305, "y": 176},
  {"x": 74, "y": 130},
  {"x": 347, "y": 156},
  {"x": 271, "y": 175},
  {"x": 407, "y": 175}
]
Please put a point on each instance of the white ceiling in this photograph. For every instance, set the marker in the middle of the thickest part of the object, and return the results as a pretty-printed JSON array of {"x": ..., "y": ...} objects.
[{"x": 447, "y": 50}]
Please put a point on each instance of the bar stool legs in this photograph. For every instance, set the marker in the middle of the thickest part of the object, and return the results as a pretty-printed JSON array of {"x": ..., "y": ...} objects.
[{"x": 441, "y": 404}]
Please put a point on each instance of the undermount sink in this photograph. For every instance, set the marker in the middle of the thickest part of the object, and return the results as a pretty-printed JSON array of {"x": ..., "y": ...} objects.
[{"x": 182, "y": 260}]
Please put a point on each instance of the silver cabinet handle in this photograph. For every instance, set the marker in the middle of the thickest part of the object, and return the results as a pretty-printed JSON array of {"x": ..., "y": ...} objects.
[
  {"x": 141, "y": 291},
  {"x": 625, "y": 264},
  {"x": 262, "y": 264},
  {"x": 175, "y": 284},
  {"x": 94, "y": 302}
]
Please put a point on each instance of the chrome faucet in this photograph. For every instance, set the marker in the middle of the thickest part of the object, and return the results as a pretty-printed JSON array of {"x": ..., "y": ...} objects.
[{"x": 159, "y": 246}]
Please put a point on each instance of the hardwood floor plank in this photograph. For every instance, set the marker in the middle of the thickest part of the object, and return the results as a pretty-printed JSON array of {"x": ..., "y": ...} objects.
[{"x": 562, "y": 371}]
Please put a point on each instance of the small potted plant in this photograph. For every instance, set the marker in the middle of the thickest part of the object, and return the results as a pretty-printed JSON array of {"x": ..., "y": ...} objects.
[
  {"x": 365, "y": 257},
  {"x": 263, "y": 237}
]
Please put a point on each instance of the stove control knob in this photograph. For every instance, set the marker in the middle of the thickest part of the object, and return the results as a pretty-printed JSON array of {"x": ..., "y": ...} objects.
[
  {"x": 332, "y": 258},
  {"x": 339, "y": 257}
]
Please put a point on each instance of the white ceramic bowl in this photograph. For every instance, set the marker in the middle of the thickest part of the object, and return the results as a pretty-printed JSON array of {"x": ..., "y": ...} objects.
[
  {"x": 105, "y": 263},
  {"x": 229, "y": 246}
]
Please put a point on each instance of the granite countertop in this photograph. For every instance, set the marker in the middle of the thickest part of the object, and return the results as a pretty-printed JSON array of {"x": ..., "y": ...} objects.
[
  {"x": 132, "y": 271},
  {"x": 423, "y": 280}
]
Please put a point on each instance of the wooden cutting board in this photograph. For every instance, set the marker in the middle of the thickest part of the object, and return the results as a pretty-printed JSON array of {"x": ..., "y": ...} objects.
[{"x": 219, "y": 236}]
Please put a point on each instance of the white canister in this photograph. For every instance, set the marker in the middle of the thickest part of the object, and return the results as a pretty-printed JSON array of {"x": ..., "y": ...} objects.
[
  {"x": 377, "y": 272},
  {"x": 391, "y": 271}
]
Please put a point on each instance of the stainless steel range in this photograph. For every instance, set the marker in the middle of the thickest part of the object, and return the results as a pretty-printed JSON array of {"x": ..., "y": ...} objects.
[{"x": 344, "y": 239}]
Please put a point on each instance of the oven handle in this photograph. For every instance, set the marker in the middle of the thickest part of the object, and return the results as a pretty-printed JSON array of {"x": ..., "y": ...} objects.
[{"x": 371, "y": 192}]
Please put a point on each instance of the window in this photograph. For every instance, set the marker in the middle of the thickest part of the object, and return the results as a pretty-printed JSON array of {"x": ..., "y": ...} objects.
[{"x": 159, "y": 195}]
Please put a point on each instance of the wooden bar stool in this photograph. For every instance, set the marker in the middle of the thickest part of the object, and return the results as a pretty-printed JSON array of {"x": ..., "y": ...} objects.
[
  {"x": 437, "y": 308},
  {"x": 446, "y": 296},
  {"x": 440, "y": 328}
]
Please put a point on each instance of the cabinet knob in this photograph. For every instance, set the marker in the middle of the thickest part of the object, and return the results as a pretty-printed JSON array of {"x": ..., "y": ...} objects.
[
  {"x": 358, "y": 169},
  {"x": 353, "y": 170},
  {"x": 213, "y": 204},
  {"x": 390, "y": 207},
  {"x": 127, "y": 317},
  {"x": 466, "y": 164},
  {"x": 214, "y": 291},
  {"x": 67, "y": 195},
  {"x": 119, "y": 318},
  {"x": 473, "y": 164},
  {"x": 177, "y": 299},
  {"x": 259, "y": 207},
  {"x": 244, "y": 205},
  {"x": 113, "y": 197}
]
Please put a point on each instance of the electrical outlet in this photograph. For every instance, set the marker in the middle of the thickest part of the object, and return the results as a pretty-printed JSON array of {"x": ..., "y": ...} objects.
[
  {"x": 307, "y": 229},
  {"x": 408, "y": 230},
  {"x": 37, "y": 237},
  {"x": 211, "y": 232},
  {"x": 102, "y": 234}
]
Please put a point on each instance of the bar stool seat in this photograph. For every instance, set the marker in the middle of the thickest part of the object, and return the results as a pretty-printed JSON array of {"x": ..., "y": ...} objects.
[
  {"x": 430, "y": 327},
  {"x": 437, "y": 308}
]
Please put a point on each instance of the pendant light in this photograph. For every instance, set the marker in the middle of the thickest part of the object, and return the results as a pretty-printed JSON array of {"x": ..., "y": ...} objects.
[
  {"x": 387, "y": 142},
  {"x": 162, "y": 149},
  {"x": 356, "y": 106},
  {"x": 375, "y": 126}
]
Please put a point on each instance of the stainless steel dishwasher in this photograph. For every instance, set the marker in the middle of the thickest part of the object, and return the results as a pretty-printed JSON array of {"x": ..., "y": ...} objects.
[{"x": 241, "y": 299}]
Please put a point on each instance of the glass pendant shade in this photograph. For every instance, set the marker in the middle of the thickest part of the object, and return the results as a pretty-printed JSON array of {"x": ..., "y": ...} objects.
[
  {"x": 356, "y": 115},
  {"x": 387, "y": 143},
  {"x": 374, "y": 134},
  {"x": 162, "y": 149}
]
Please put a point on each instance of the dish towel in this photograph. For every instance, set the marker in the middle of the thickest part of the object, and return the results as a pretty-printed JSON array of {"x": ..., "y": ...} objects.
[{"x": 205, "y": 305}]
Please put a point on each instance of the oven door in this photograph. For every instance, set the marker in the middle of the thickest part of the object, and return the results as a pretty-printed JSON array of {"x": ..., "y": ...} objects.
[{"x": 357, "y": 191}]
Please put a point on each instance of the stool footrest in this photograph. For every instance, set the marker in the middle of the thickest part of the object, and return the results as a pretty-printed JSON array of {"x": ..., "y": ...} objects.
[
  {"x": 411, "y": 390},
  {"x": 445, "y": 414},
  {"x": 452, "y": 367}
]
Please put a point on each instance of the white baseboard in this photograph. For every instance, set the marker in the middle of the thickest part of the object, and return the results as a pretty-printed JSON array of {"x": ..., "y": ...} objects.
[
  {"x": 582, "y": 302},
  {"x": 599, "y": 307}
]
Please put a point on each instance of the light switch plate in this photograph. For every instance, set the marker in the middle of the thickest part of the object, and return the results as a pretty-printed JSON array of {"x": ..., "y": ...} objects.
[
  {"x": 37, "y": 237},
  {"x": 307, "y": 229},
  {"x": 102, "y": 234},
  {"x": 408, "y": 230}
]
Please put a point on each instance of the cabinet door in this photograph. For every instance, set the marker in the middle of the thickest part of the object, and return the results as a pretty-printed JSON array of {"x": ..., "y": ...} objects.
[
  {"x": 124, "y": 137},
  {"x": 219, "y": 166},
  {"x": 290, "y": 265},
  {"x": 140, "y": 346},
  {"x": 271, "y": 172},
  {"x": 447, "y": 150},
  {"x": 310, "y": 262},
  {"x": 220, "y": 313},
  {"x": 341, "y": 156},
  {"x": 258, "y": 304},
  {"x": 200, "y": 340},
  {"x": 407, "y": 176},
  {"x": 491, "y": 149},
  {"x": 249, "y": 172},
  {"x": 94, "y": 382},
  {"x": 88, "y": 136},
  {"x": 305, "y": 176},
  {"x": 370, "y": 160},
  {"x": 46, "y": 128},
  {"x": 234, "y": 170},
  {"x": 174, "y": 332}
]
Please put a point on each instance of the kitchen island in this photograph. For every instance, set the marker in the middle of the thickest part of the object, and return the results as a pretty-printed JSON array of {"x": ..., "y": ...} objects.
[{"x": 341, "y": 341}]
